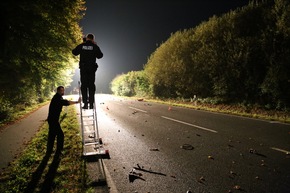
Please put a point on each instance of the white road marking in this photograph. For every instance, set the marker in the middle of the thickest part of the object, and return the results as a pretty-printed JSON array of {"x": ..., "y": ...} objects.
[
  {"x": 138, "y": 109},
  {"x": 199, "y": 127},
  {"x": 281, "y": 150}
]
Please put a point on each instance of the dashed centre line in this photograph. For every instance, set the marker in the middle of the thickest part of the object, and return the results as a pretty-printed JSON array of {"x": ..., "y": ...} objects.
[
  {"x": 138, "y": 109},
  {"x": 185, "y": 123}
]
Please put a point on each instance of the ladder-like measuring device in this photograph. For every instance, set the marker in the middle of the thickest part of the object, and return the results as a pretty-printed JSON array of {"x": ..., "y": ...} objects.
[{"x": 92, "y": 143}]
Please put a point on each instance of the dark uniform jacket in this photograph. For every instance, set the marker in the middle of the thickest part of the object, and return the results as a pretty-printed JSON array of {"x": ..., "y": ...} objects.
[
  {"x": 88, "y": 52},
  {"x": 55, "y": 107}
]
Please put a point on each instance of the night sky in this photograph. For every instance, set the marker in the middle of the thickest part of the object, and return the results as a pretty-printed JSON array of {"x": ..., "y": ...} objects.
[{"x": 129, "y": 31}]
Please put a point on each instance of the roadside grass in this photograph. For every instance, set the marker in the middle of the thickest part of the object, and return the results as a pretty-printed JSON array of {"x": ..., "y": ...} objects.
[
  {"x": 253, "y": 111},
  {"x": 31, "y": 173}
]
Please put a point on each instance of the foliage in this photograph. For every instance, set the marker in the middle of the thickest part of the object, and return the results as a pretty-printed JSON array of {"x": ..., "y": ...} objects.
[
  {"x": 69, "y": 176},
  {"x": 36, "y": 42},
  {"x": 133, "y": 83},
  {"x": 240, "y": 56}
]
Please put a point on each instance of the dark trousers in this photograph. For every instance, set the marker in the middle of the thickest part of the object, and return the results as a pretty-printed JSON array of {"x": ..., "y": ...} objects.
[
  {"x": 54, "y": 131},
  {"x": 88, "y": 84}
]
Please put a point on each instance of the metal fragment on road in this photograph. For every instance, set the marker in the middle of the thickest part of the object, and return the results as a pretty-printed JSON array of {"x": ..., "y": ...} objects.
[
  {"x": 210, "y": 157},
  {"x": 237, "y": 187},
  {"x": 187, "y": 147}
]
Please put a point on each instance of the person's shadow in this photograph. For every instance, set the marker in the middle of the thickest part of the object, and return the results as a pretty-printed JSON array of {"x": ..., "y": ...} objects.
[
  {"x": 37, "y": 174},
  {"x": 49, "y": 177},
  {"x": 48, "y": 181}
]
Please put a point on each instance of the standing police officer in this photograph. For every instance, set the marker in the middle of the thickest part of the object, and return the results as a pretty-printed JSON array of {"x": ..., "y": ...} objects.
[
  {"x": 55, "y": 108},
  {"x": 89, "y": 52}
]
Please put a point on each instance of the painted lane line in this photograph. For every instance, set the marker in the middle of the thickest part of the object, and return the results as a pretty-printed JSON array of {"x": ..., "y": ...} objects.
[
  {"x": 138, "y": 109},
  {"x": 281, "y": 150},
  {"x": 199, "y": 127}
]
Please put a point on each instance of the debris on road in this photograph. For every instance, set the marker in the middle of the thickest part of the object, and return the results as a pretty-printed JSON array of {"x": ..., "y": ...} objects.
[
  {"x": 201, "y": 180},
  {"x": 172, "y": 176},
  {"x": 252, "y": 151},
  {"x": 210, "y": 157},
  {"x": 149, "y": 171},
  {"x": 187, "y": 147},
  {"x": 154, "y": 149},
  {"x": 237, "y": 187},
  {"x": 133, "y": 177}
]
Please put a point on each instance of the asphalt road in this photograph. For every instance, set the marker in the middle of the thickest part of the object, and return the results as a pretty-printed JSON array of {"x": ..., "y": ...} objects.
[{"x": 158, "y": 148}]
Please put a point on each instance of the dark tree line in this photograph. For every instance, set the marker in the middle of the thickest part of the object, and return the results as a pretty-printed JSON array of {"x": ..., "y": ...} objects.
[
  {"x": 240, "y": 57},
  {"x": 35, "y": 53}
]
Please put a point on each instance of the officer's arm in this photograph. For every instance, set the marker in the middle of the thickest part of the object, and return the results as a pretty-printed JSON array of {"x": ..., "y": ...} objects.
[
  {"x": 77, "y": 50},
  {"x": 74, "y": 102},
  {"x": 99, "y": 53}
]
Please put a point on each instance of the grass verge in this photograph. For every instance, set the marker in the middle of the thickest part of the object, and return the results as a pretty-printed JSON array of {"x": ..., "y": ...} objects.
[
  {"x": 32, "y": 172},
  {"x": 233, "y": 109}
]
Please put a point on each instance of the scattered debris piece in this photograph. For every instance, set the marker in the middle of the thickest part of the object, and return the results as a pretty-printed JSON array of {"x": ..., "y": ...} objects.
[
  {"x": 108, "y": 108},
  {"x": 154, "y": 149},
  {"x": 149, "y": 171},
  {"x": 133, "y": 171},
  {"x": 133, "y": 177},
  {"x": 257, "y": 178},
  {"x": 198, "y": 135},
  {"x": 252, "y": 151},
  {"x": 140, "y": 99},
  {"x": 187, "y": 147},
  {"x": 233, "y": 173},
  {"x": 134, "y": 112},
  {"x": 201, "y": 180},
  {"x": 233, "y": 162},
  {"x": 172, "y": 176},
  {"x": 210, "y": 157},
  {"x": 188, "y": 191},
  {"x": 169, "y": 108},
  {"x": 237, "y": 187}
]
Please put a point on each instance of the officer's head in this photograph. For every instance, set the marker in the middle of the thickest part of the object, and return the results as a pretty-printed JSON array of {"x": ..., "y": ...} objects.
[
  {"x": 90, "y": 37},
  {"x": 60, "y": 90}
]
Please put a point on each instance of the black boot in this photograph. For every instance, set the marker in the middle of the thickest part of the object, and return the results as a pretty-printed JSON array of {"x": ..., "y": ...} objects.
[{"x": 85, "y": 106}]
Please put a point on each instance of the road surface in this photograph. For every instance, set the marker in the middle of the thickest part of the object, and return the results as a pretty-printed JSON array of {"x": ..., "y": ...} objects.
[{"x": 161, "y": 148}]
